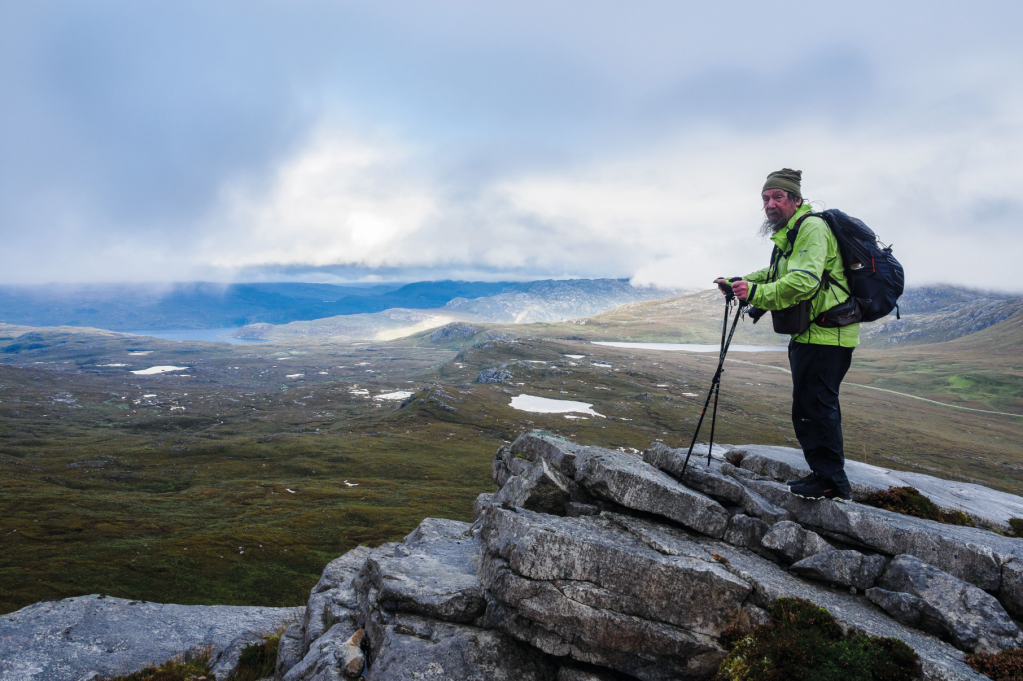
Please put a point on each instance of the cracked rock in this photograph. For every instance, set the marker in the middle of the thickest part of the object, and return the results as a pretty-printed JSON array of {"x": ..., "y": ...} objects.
[
  {"x": 790, "y": 540},
  {"x": 848, "y": 568},
  {"x": 973, "y": 619}
]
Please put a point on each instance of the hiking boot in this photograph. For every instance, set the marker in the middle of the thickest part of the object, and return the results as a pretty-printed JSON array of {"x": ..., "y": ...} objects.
[
  {"x": 818, "y": 487},
  {"x": 797, "y": 481}
]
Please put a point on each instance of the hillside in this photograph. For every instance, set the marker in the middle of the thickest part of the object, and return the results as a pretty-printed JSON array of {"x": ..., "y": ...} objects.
[{"x": 531, "y": 302}]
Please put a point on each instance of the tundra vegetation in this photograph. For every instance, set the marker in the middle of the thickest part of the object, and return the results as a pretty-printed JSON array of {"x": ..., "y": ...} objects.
[{"x": 237, "y": 480}]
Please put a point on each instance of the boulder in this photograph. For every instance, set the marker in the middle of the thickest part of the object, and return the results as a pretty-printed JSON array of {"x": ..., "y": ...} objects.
[
  {"x": 483, "y": 501},
  {"x": 327, "y": 658},
  {"x": 848, "y": 568},
  {"x": 538, "y": 486},
  {"x": 969, "y": 553},
  {"x": 973, "y": 619},
  {"x": 745, "y": 531},
  {"x": 413, "y": 647},
  {"x": 790, "y": 541},
  {"x": 569, "y": 586},
  {"x": 432, "y": 573},
  {"x": 102, "y": 636},
  {"x": 329, "y": 604},
  {"x": 1010, "y": 592}
]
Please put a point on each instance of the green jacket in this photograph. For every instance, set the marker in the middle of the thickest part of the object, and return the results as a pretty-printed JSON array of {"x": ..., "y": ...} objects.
[{"x": 799, "y": 276}]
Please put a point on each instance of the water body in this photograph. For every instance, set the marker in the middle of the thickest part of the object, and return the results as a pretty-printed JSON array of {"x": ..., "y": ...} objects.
[
  {"x": 693, "y": 347},
  {"x": 545, "y": 405},
  {"x": 222, "y": 335}
]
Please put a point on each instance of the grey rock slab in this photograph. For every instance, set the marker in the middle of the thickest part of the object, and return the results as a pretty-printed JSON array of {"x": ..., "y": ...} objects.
[
  {"x": 940, "y": 660},
  {"x": 906, "y": 608},
  {"x": 539, "y": 487},
  {"x": 559, "y": 452},
  {"x": 338, "y": 604},
  {"x": 972, "y": 554},
  {"x": 710, "y": 480},
  {"x": 341, "y": 570},
  {"x": 290, "y": 650},
  {"x": 745, "y": 531},
  {"x": 791, "y": 541},
  {"x": 1010, "y": 592},
  {"x": 848, "y": 568},
  {"x": 326, "y": 657},
  {"x": 482, "y": 503},
  {"x": 628, "y": 481},
  {"x": 973, "y": 619},
  {"x": 572, "y": 586},
  {"x": 412, "y": 647},
  {"x": 69, "y": 639},
  {"x": 986, "y": 506},
  {"x": 432, "y": 573},
  {"x": 432, "y": 529}
]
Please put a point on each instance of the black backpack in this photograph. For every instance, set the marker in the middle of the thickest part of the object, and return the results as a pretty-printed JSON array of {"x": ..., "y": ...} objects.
[{"x": 876, "y": 279}]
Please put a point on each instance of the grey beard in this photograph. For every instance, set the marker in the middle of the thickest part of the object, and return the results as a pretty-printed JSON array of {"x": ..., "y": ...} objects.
[{"x": 768, "y": 227}]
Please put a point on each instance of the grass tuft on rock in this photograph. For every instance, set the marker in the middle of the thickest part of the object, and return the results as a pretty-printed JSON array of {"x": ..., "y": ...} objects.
[
  {"x": 258, "y": 660},
  {"x": 193, "y": 666},
  {"x": 1016, "y": 525},
  {"x": 1004, "y": 666},
  {"x": 804, "y": 643},
  {"x": 909, "y": 501}
]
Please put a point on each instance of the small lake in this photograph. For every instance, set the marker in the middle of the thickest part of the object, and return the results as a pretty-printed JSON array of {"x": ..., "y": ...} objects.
[
  {"x": 545, "y": 405},
  {"x": 692, "y": 347},
  {"x": 222, "y": 335}
]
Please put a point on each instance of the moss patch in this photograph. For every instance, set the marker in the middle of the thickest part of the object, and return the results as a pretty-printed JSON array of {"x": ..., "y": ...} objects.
[
  {"x": 194, "y": 666},
  {"x": 909, "y": 501},
  {"x": 804, "y": 643}
]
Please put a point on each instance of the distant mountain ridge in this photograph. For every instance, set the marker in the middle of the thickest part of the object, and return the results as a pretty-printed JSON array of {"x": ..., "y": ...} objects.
[
  {"x": 554, "y": 300},
  {"x": 203, "y": 305},
  {"x": 549, "y": 300}
]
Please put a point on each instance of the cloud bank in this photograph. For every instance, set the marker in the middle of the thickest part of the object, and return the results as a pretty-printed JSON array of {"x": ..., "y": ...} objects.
[{"x": 399, "y": 141}]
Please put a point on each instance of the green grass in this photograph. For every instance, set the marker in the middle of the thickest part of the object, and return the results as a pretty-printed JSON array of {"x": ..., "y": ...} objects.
[{"x": 193, "y": 666}]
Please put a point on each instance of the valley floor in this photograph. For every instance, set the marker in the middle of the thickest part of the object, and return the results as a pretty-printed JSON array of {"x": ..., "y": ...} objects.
[{"x": 236, "y": 480}]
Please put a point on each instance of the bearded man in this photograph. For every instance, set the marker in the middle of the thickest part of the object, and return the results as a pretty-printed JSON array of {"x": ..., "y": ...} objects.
[{"x": 806, "y": 267}]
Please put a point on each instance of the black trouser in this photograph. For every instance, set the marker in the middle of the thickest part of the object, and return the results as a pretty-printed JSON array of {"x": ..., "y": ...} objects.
[{"x": 817, "y": 373}]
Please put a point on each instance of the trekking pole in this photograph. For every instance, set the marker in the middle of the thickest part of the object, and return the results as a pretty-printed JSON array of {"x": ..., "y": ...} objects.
[{"x": 715, "y": 384}]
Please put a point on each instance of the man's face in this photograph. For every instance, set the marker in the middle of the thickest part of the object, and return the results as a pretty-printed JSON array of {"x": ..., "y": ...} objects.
[{"x": 778, "y": 206}]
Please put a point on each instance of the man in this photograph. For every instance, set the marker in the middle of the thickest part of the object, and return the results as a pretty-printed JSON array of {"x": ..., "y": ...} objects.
[{"x": 809, "y": 269}]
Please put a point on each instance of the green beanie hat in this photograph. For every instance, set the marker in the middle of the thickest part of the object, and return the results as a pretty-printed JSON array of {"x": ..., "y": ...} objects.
[{"x": 785, "y": 179}]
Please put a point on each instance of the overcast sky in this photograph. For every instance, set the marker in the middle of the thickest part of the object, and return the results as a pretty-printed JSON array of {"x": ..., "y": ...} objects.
[{"x": 340, "y": 141}]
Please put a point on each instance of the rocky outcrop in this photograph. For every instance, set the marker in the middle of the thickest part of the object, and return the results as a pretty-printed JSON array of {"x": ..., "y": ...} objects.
[
  {"x": 592, "y": 564},
  {"x": 99, "y": 636},
  {"x": 589, "y": 564}
]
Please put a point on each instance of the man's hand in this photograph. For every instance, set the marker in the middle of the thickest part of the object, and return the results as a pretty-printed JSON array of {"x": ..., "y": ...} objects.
[{"x": 739, "y": 288}]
